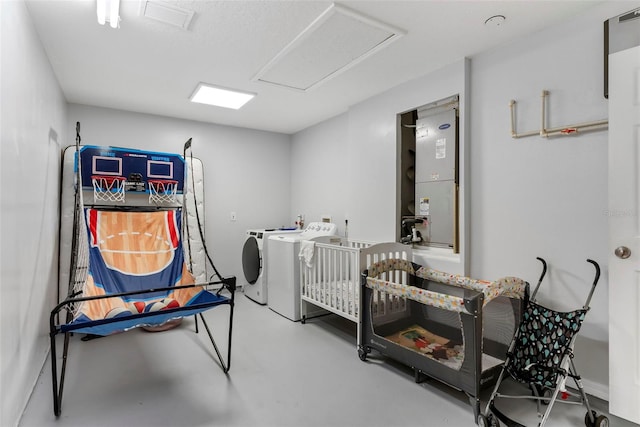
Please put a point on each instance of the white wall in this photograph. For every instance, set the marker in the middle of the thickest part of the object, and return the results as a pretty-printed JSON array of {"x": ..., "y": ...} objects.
[
  {"x": 320, "y": 171},
  {"x": 34, "y": 115},
  {"x": 246, "y": 171},
  {"x": 360, "y": 175},
  {"x": 373, "y": 157},
  {"x": 546, "y": 197},
  {"x": 529, "y": 197}
]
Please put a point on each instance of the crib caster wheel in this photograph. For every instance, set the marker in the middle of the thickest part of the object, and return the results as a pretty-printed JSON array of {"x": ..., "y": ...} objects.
[
  {"x": 303, "y": 320},
  {"x": 362, "y": 353}
]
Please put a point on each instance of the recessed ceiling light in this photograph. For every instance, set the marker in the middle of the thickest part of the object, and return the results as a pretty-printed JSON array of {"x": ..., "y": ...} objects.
[{"x": 220, "y": 97}]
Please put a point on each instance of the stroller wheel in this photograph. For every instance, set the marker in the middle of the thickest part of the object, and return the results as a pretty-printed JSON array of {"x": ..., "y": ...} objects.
[
  {"x": 487, "y": 421},
  {"x": 599, "y": 420},
  {"x": 602, "y": 421},
  {"x": 482, "y": 421},
  {"x": 587, "y": 419},
  {"x": 541, "y": 391}
]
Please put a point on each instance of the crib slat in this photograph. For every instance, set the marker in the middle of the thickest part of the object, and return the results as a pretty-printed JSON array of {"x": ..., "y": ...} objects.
[
  {"x": 338, "y": 273},
  {"x": 333, "y": 280}
]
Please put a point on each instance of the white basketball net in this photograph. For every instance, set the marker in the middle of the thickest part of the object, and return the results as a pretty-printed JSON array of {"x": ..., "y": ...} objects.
[
  {"x": 162, "y": 191},
  {"x": 79, "y": 258},
  {"x": 108, "y": 189}
]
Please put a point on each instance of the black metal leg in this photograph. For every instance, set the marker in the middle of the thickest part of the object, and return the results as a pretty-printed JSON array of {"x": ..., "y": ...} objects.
[
  {"x": 225, "y": 366},
  {"x": 54, "y": 375},
  {"x": 63, "y": 371},
  {"x": 57, "y": 381},
  {"x": 232, "y": 305},
  {"x": 58, "y": 387},
  {"x": 215, "y": 347}
]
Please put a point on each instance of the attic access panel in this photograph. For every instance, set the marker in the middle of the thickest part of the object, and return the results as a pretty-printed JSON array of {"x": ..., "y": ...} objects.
[{"x": 336, "y": 41}]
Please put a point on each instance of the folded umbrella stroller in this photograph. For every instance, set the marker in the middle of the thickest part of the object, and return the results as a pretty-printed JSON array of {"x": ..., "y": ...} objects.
[{"x": 541, "y": 355}]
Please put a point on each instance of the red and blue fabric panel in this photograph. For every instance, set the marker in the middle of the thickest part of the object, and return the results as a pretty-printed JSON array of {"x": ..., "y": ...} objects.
[{"x": 136, "y": 251}]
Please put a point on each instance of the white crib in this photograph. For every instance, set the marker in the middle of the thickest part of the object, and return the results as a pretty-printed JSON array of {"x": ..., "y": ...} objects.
[{"x": 330, "y": 280}]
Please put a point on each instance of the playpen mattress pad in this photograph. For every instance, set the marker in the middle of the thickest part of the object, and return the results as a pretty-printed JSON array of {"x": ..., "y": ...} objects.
[{"x": 438, "y": 348}]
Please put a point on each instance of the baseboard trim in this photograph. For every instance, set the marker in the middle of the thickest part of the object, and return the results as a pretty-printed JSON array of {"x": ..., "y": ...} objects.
[
  {"x": 601, "y": 391},
  {"x": 34, "y": 384}
]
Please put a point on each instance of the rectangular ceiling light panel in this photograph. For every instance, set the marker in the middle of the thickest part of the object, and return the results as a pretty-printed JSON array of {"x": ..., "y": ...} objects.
[
  {"x": 166, "y": 13},
  {"x": 220, "y": 97},
  {"x": 336, "y": 41}
]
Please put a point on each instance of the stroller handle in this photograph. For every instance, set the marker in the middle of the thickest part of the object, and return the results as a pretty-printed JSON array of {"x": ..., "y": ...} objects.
[
  {"x": 544, "y": 272},
  {"x": 593, "y": 286},
  {"x": 595, "y": 282}
]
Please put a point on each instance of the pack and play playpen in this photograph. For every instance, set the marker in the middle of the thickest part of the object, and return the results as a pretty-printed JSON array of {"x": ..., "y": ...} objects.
[
  {"x": 330, "y": 276},
  {"x": 132, "y": 217},
  {"x": 452, "y": 328}
]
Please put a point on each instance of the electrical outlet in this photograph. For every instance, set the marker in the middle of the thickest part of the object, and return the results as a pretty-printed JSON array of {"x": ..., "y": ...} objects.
[{"x": 232, "y": 216}]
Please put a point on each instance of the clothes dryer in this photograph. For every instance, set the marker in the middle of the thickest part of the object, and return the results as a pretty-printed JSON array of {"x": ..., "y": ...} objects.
[
  {"x": 254, "y": 255},
  {"x": 284, "y": 268}
]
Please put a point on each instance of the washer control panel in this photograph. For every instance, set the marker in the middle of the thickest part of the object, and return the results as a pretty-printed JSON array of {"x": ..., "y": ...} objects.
[{"x": 315, "y": 229}]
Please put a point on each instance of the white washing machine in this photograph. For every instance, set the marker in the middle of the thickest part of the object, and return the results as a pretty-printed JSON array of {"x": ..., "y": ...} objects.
[
  {"x": 283, "y": 270},
  {"x": 254, "y": 255}
]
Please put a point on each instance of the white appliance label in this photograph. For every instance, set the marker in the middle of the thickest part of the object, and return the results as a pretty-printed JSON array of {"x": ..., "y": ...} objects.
[
  {"x": 424, "y": 206},
  {"x": 441, "y": 148}
]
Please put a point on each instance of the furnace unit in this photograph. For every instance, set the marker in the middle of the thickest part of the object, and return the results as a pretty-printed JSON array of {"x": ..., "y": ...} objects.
[{"x": 436, "y": 174}]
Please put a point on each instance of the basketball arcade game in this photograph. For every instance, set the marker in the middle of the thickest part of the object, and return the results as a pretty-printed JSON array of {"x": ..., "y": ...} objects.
[
  {"x": 112, "y": 173},
  {"x": 128, "y": 266}
]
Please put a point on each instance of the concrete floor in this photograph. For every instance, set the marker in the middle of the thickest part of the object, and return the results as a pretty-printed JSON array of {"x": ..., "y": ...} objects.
[{"x": 282, "y": 374}]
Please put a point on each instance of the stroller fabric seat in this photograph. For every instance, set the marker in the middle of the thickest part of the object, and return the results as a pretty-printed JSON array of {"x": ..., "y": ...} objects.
[{"x": 543, "y": 338}]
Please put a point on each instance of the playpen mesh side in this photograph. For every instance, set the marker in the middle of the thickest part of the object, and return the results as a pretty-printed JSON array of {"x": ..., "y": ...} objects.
[
  {"x": 500, "y": 318},
  {"x": 543, "y": 339},
  {"x": 499, "y": 323},
  {"x": 439, "y": 308}
]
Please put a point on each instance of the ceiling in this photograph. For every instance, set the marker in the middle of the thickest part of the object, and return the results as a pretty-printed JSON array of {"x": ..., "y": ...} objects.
[{"x": 152, "y": 67}]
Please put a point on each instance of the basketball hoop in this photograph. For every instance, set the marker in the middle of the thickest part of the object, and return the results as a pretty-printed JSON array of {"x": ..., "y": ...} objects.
[
  {"x": 108, "y": 188},
  {"x": 162, "y": 191}
]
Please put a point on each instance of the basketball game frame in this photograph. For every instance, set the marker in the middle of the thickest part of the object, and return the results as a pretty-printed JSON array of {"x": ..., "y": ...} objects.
[{"x": 113, "y": 173}]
